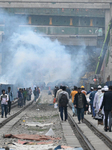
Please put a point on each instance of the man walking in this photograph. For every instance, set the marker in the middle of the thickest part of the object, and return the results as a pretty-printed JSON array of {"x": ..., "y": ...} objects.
[
  {"x": 30, "y": 93},
  {"x": 10, "y": 95},
  {"x": 63, "y": 101},
  {"x": 4, "y": 102},
  {"x": 73, "y": 93},
  {"x": 35, "y": 94},
  {"x": 20, "y": 98},
  {"x": 80, "y": 103},
  {"x": 107, "y": 104},
  {"x": 91, "y": 97},
  {"x": 97, "y": 100},
  {"x": 57, "y": 96},
  {"x": 24, "y": 96}
]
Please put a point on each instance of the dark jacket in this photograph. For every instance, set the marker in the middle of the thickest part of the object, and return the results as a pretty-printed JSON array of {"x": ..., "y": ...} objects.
[
  {"x": 107, "y": 101},
  {"x": 91, "y": 97},
  {"x": 20, "y": 94},
  {"x": 83, "y": 98}
]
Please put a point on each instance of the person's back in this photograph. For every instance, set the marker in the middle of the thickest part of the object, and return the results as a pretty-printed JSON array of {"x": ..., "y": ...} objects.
[
  {"x": 35, "y": 92},
  {"x": 107, "y": 100},
  {"x": 57, "y": 94},
  {"x": 25, "y": 93},
  {"x": 73, "y": 93},
  {"x": 19, "y": 94},
  {"x": 63, "y": 99},
  {"x": 107, "y": 104},
  {"x": 91, "y": 97}
]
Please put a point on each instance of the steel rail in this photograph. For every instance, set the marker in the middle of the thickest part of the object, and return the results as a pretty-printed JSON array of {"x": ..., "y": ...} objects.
[
  {"x": 101, "y": 135},
  {"x": 83, "y": 138},
  {"x": 97, "y": 132},
  {"x": 17, "y": 113}
]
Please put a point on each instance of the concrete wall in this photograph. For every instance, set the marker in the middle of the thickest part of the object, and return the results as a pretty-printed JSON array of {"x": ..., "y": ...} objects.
[
  {"x": 61, "y": 1},
  {"x": 88, "y": 41},
  {"x": 55, "y": 5}
]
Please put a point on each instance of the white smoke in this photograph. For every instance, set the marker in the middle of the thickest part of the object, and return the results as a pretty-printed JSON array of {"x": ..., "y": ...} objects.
[
  {"x": 30, "y": 58},
  {"x": 33, "y": 58}
]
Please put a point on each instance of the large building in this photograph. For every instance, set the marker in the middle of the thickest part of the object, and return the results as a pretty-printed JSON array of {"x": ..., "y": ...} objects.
[{"x": 73, "y": 23}]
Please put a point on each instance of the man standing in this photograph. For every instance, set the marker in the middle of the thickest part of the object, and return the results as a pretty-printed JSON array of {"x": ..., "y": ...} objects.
[
  {"x": 73, "y": 93},
  {"x": 24, "y": 96},
  {"x": 107, "y": 104},
  {"x": 4, "y": 102},
  {"x": 30, "y": 93},
  {"x": 63, "y": 101},
  {"x": 97, "y": 100},
  {"x": 38, "y": 92},
  {"x": 80, "y": 103},
  {"x": 10, "y": 95},
  {"x": 20, "y": 98},
  {"x": 35, "y": 94}
]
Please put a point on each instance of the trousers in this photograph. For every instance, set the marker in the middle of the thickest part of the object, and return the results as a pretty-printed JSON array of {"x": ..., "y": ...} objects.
[
  {"x": 9, "y": 106},
  {"x": 65, "y": 112},
  {"x": 4, "y": 108},
  {"x": 107, "y": 116},
  {"x": 80, "y": 113}
]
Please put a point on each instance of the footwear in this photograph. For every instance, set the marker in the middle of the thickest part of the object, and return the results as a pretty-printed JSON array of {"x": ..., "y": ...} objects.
[
  {"x": 73, "y": 114},
  {"x": 105, "y": 130},
  {"x": 1, "y": 116},
  {"x": 5, "y": 116},
  {"x": 79, "y": 122},
  {"x": 82, "y": 121}
]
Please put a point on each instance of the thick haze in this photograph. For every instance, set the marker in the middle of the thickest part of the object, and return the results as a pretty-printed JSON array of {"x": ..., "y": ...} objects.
[{"x": 28, "y": 57}]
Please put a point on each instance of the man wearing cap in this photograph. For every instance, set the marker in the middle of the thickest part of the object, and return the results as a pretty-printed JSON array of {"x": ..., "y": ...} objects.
[
  {"x": 83, "y": 90},
  {"x": 107, "y": 104},
  {"x": 96, "y": 101}
]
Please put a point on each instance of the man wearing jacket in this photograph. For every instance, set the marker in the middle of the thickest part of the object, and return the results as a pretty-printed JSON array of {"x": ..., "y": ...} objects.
[
  {"x": 80, "y": 103},
  {"x": 63, "y": 97},
  {"x": 10, "y": 95},
  {"x": 107, "y": 104}
]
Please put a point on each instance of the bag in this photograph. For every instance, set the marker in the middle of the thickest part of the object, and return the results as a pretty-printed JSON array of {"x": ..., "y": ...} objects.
[
  {"x": 99, "y": 116},
  {"x": 63, "y": 101},
  {"x": 54, "y": 101},
  {"x": 55, "y": 105}
]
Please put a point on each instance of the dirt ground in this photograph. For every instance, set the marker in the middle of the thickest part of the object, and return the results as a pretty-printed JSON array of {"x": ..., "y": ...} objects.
[{"x": 42, "y": 112}]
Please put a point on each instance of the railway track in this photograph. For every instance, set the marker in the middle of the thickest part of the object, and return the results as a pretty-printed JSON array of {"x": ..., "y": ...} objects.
[
  {"x": 101, "y": 135},
  {"x": 17, "y": 113},
  {"x": 86, "y": 145},
  {"x": 14, "y": 115},
  {"x": 84, "y": 141}
]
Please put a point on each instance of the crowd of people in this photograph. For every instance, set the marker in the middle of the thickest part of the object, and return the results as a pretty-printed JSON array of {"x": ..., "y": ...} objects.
[
  {"x": 6, "y": 99},
  {"x": 97, "y": 101},
  {"x": 23, "y": 95},
  {"x": 36, "y": 93}
]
